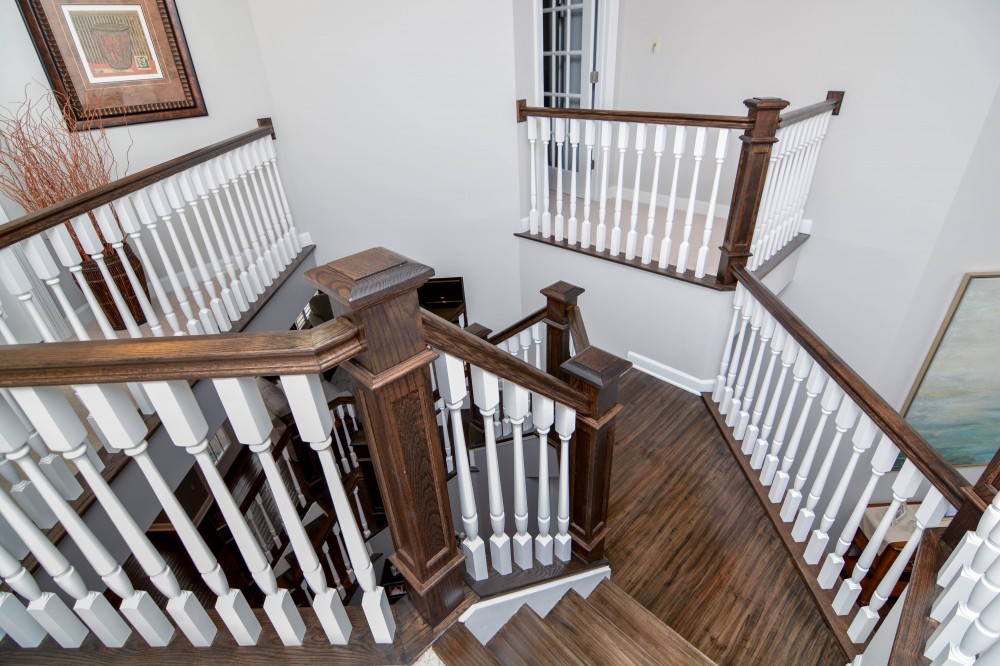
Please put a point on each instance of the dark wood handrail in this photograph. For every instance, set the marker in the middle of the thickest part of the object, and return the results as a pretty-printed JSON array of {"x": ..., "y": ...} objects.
[
  {"x": 515, "y": 328},
  {"x": 833, "y": 100},
  {"x": 928, "y": 460},
  {"x": 34, "y": 223},
  {"x": 578, "y": 329},
  {"x": 183, "y": 357},
  {"x": 461, "y": 344},
  {"x": 652, "y": 118}
]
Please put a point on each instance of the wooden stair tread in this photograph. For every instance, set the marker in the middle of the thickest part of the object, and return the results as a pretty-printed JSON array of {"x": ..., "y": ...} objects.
[
  {"x": 915, "y": 623},
  {"x": 585, "y": 627},
  {"x": 527, "y": 640},
  {"x": 644, "y": 628},
  {"x": 458, "y": 647}
]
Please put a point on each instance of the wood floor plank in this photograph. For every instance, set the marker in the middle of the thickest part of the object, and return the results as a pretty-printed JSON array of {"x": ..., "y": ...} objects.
[
  {"x": 458, "y": 647},
  {"x": 527, "y": 640},
  {"x": 689, "y": 540}
]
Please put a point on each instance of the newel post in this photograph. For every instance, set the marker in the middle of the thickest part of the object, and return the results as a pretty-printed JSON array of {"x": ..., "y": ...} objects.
[
  {"x": 597, "y": 374},
  {"x": 560, "y": 297},
  {"x": 764, "y": 114},
  {"x": 392, "y": 384}
]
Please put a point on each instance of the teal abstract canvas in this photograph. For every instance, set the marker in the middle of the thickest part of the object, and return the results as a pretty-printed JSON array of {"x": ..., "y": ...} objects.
[{"x": 956, "y": 404}]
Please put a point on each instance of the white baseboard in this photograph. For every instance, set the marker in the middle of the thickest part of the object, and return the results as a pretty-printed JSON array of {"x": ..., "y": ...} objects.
[
  {"x": 486, "y": 618},
  {"x": 663, "y": 200},
  {"x": 670, "y": 375}
]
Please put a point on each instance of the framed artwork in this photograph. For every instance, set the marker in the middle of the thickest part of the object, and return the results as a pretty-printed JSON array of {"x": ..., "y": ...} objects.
[
  {"x": 955, "y": 402},
  {"x": 116, "y": 63}
]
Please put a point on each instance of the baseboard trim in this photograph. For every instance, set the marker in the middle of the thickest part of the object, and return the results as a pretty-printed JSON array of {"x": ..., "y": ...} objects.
[{"x": 670, "y": 375}]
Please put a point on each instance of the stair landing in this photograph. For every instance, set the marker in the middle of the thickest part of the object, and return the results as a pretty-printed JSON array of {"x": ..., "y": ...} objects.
[{"x": 689, "y": 540}]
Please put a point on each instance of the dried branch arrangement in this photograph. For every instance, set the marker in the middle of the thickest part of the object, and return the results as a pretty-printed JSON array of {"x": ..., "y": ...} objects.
[{"x": 43, "y": 161}]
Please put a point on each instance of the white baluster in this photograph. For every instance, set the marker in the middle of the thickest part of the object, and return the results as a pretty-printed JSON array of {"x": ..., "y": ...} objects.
[
  {"x": 863, "y": 437},
  {"x": 791, "y": 352},
  {"x": 565, "y": 424},
  {"x": 524, "y": 340},
  {"x": 814, "y": 384},
  {"x": 266, "y": 270},
  {"x": 17, "y": 623},
  {"x": 685, "y": 246},
  {"x": 532, "y": 123},
  {"x": 929, "y": 514},
  {"x": 560, "y": 141},
  {"x": 344, "y": 462},
  {"x": 200, "y": 181},
  {"x": 486, "y": 395},
  {"x": 906, "y": 484},
  {"x": 45, "y": 269},
  {"x": 131, "y": 225},
  {"x": 659, "y": 145},
  {"x": 442, "y": 419},
  {"x": 148, "y": 214},
  {"x": 274, "y": 178},
  {"x": 207, "y": 180},
  {"x": 185, "y": 182},
  {"x": 727, "y": 351},
  {"x": 970, "y": 544},
  {"x": 111, "y": 229},
  {"x": 589, "y": 135},
  {"x": 256, "y": 276},
  {"x": 312, "y": 418},
  {"x": 181, "y": 416},
  {"x": 252, "y": 424},
  {"x": 882, "y": 461},
  {"x": 543, "y": 411},
  {"x": 616, "y": 231},
  {"x": 969, "y": 577},
  {"x": 92, "y": 607},
  {"x": 746, "y": 312},
  {"x": 779, "y": 340},
  {"x": 536, "y": 338},
  {"x": 746, "y": 404},
  {"x": 16, "y": 281},
  {"x": 720, "y": 158},
  {"x": 47, "y": 609},
  {"x": 272, "y": 260},
  {"x": 254, "y": 154},
  {"x": 361, "y": 517},
  {"x": 574, "y": 142},
  {"x": 515, "y": 400},
  {"x": 640, "y": 147},
  {"x": 160, "y": 203},
  {"x": 961, "y": 644},
  {"x": 680, "y": 138},
  {"x": 30, "y": 500},
  {"x": 59, "y": 426},
  {"x": 966, "y": 608},
  {"x": 545, "y": 125},
  {"x": 602, "y": 211},
  {"x": 817, "y": 145},
  {"x": 244, "y": 161},
  {"x": 337, "y": 532},
  {"x": 173, "y": 188},
  {"x": 736, "y": 403},
  {"x": 832, "y": 396}
]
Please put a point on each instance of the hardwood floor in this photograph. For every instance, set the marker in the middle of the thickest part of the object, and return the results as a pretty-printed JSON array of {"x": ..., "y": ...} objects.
[{"x": 690, "y": 542}]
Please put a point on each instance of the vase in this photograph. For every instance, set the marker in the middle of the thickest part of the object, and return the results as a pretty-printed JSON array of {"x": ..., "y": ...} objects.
[{"x": 95, "y": 280}]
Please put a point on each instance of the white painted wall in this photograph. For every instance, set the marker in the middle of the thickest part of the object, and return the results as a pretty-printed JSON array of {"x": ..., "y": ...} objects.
[
  {"x": 397, "y": 128},
  {"x": 919, "y": 84}
]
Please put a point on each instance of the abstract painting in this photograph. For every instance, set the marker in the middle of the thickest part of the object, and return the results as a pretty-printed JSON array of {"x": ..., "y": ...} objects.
[{"x": 955, "y": 402}]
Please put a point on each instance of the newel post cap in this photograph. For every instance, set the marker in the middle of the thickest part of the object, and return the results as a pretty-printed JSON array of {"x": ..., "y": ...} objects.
[
  {"x": 368, "y": 278},
  {"x": 563, "y": 292},
  {"x": 596, "y": 367}
]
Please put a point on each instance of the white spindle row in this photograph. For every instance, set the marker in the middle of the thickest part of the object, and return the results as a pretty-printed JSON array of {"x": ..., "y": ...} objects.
[
  {"x": 609, "y": 149},
  {"x": 794, "y": 423},
  {"x": 786, "y": 187},
  {"x": 215, "y": 257},
  {"x": 521, "y": 549},
  {"x": 968, "y": 606}
]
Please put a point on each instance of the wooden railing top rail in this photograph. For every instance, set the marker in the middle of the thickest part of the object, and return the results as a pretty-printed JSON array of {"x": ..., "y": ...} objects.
[
  {"x": 689, "y": 119},
  {"x": 462, "y": 344},
  {"x": 183, "y": 357},
  {"x": 578, "y": 329},
  {"x": 515, "y": 328},
  {"x": 34, "y": 223},
  {"x": 833, "y": 100},
  {"x": 927, "y": 459}
]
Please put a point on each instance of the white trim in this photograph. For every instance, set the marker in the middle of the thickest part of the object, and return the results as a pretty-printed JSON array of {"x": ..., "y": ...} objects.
[
  {"x": 536, "y": 36},
  {"x": 608, "y": 12},
  {"x": 525, "y": 224},
  {"x": 486, "y": 618},
  {"x": 670, "y": 375},
  {"x": 663, "y": 200},
  {"x": 806, "y": 227}
]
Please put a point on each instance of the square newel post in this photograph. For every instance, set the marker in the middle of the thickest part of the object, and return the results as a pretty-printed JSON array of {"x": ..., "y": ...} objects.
[
  {"x": 392, "y": 384},
  {"x": 764, "y": 114},
  {"x": 597, "y": 374},
  {"x": 559, "y": 298}
]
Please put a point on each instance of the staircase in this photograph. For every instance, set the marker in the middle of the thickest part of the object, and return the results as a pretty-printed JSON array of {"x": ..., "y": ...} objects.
[{"x": 608, "y": 627}]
